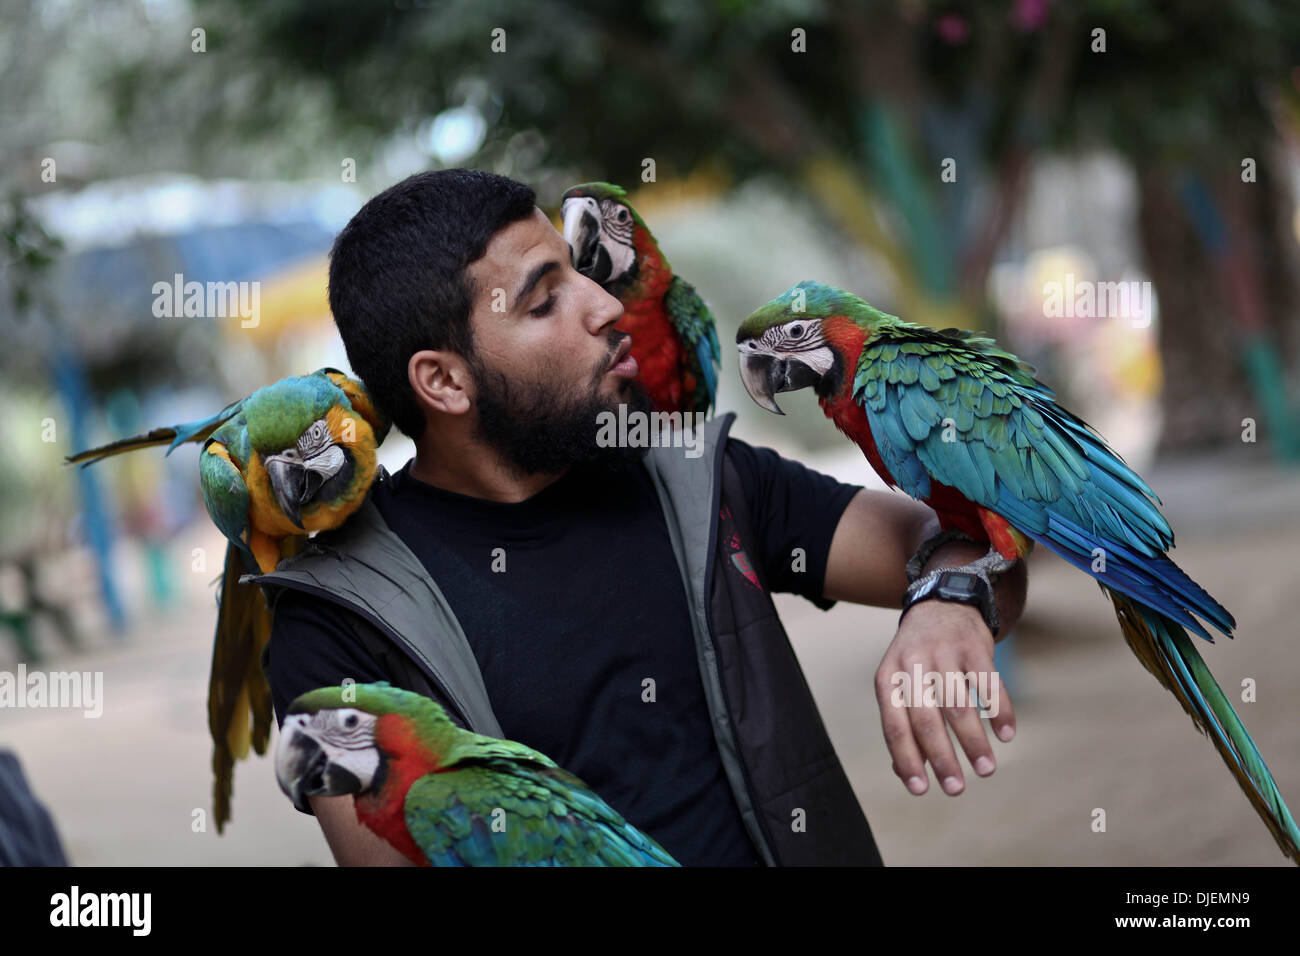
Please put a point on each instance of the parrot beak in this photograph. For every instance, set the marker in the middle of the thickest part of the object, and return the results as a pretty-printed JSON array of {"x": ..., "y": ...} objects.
[
  {"x": 295, "y": 483},
  {"x": 764, "y": 375},
  {"x": 288, "y": 482},
  {"x": 303, "y": 769},
  {"x": 582, "y": 233}
]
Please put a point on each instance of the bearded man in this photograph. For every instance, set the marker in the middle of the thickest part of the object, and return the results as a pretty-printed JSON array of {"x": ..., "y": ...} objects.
[{"x": 609, "y": 606}]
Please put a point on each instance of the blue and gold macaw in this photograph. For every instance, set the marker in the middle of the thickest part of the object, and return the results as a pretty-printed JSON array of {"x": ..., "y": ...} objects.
[{"x": 294, "y": 457}]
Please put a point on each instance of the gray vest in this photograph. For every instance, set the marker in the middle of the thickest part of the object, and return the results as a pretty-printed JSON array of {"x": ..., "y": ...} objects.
[{"x": 793, "y": 795}]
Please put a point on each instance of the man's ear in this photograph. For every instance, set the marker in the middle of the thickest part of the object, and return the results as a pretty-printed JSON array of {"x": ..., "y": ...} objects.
[{"x": 441, "y": 381}]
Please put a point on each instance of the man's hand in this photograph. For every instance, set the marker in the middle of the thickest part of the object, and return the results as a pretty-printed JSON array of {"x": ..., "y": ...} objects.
[
  {"x": 949, "y": 639},
  {"x": 877, "y": 534}
]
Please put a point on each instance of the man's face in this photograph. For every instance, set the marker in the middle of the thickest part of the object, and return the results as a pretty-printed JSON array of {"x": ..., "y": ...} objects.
[{"x": 544, "y": 352}]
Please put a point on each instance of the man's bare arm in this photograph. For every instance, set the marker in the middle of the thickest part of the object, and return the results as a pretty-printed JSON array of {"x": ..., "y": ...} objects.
[
  {"x": 876, "y": 536},
  {"x": 352, "y": 843}
]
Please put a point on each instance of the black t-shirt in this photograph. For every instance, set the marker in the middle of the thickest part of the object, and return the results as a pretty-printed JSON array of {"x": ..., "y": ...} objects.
[{"x": 571, "y": 601}]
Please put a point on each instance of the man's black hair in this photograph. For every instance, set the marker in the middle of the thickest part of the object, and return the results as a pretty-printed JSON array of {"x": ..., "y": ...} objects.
[{"x": 397, "y": 275}]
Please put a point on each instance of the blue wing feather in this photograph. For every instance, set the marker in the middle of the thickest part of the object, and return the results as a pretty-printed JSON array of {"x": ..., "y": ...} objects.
[{"x": 1021, "y": 455}]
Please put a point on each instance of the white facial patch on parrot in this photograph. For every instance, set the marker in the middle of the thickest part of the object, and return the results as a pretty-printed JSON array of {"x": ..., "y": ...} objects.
[
  {"x": 316, "y": 449},
  {"x": 315, "y": 437},
  {"x": 327, "y": 462},
  {"x": 800, "y": 339},
  {"x": 616, "y": 226},
  {"x": 347, "y": 736}
]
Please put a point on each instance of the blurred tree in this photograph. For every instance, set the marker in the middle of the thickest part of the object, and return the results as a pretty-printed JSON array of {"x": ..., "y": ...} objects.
[{"x": 857, "y": 106}]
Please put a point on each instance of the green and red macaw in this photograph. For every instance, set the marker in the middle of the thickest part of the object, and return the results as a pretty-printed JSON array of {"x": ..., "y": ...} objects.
[
  {"x": 674, "y": 340},
  {"x": 294, "y": 457},
  {"x": 444, "y": 796},
  {"x": 957, "y": 422}
]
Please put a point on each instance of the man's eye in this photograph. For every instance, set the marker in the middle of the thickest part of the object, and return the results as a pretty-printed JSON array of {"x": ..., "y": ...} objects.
[{"x": 545, "y": 307}]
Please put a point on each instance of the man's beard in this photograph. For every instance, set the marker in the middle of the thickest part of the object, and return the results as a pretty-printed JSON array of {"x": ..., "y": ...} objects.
[{"x": 549, "y": 427}]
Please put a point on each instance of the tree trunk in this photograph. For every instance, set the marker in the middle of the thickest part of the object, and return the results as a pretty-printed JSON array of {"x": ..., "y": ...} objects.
[{"x": 1206, "y": 393}]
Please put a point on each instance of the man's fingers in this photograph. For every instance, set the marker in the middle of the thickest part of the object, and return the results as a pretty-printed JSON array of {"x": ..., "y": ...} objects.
[
  {"x": 896, "y": 725},
  {"x": 983, "y": 688},
  {"x": 932, "y": 736},
  {"x": 1001, "y": 714},
  {"x": 965, "y": 723}
]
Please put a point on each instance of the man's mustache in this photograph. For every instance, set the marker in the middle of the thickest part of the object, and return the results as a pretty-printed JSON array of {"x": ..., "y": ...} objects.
[{"x": 615, "y": 338}]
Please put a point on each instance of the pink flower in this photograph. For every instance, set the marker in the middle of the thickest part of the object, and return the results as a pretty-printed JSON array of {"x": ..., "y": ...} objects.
[
  {"x": 952, "y": 28},
  {"x": 1028, "y": 15}
]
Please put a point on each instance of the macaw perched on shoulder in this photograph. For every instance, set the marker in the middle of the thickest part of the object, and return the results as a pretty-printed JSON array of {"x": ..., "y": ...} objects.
[
  {"x": 957, "y": 422},
  {"x": 294, "y": 457},
  {"x": 444, "y": 796},
  {"x": 674, "y": 340}
]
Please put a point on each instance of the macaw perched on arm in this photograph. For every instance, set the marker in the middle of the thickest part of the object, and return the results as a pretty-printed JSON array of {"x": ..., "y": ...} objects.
[
  {"x": 674, "y": 340},
  {"x": 294, "y": 457},
  {"x": 960, "y": 424},
  {"x": 444, "y": 796}
]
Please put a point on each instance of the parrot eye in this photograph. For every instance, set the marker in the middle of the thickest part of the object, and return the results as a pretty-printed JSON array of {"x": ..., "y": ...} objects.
[
  {"x": 796, "y": 330},
  {"x": 622, "y": 215},
  {"x": 351, "y": 721}
]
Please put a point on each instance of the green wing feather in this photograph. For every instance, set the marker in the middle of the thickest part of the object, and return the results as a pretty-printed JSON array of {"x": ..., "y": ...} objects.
[
  {"x": 221, "y": 480},
  {"x": 695, "y": 324},
  {"x": 543, "y": 815}
]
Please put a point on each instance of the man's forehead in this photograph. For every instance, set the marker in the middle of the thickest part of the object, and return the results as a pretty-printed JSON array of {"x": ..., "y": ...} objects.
[{"x": 517, "y": 248}]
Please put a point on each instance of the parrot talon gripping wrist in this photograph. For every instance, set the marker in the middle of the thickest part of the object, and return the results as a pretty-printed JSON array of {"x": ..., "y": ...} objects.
[
  {"x": 928, "y": 547},
  {"x": 994, "y": 564}
]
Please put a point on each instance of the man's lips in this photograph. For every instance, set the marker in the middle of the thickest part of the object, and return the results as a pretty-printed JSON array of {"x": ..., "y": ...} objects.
[{"x": 623, "y": 365}]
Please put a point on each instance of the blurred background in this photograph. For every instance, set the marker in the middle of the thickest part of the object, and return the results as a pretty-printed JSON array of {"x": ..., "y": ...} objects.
[{"x": 1109, "y": 187}]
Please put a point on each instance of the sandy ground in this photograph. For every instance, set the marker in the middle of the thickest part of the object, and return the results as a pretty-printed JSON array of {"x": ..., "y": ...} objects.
[{"x": 1094, "y": 729}]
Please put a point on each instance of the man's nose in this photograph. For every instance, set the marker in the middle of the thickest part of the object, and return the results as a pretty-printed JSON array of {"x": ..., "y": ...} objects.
[{"x": 606, "y": 311}]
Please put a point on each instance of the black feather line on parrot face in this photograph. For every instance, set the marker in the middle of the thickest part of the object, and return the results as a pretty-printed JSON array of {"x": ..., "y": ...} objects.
[
  {"x": 617, "y": 287},
  {"x": 600, "y": 265},
  {"x": 830, "y": 384}
]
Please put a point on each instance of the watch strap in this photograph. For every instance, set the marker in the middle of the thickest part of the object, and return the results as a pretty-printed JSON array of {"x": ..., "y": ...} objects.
[{"x": 968, "y": 584}]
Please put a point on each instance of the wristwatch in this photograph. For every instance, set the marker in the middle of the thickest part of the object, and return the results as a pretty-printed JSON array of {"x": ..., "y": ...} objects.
[{"x": 954, "y": 584}]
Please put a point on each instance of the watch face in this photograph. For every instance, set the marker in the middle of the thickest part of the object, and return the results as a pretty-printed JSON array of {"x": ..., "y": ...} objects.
[{"x": 959, "y": 582}]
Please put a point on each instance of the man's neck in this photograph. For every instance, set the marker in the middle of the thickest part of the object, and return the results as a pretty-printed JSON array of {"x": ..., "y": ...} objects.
[{"x": 476, "y": 472}]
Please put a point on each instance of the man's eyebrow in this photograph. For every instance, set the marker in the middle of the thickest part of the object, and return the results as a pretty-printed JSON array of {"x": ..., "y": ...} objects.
[{"x": 534, "y": 277}]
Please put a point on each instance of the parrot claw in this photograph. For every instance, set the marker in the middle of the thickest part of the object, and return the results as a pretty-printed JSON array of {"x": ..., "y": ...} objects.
[
  {"x": 993, "y": 563},
  {"x": 928, "y": 547}
]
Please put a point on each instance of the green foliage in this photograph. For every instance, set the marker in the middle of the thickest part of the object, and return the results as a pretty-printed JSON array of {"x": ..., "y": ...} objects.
[{"x": 29, "y": 251}]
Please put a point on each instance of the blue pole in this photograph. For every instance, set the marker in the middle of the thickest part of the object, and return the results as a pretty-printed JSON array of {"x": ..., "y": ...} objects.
[{"x": 71, "y": 384}]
